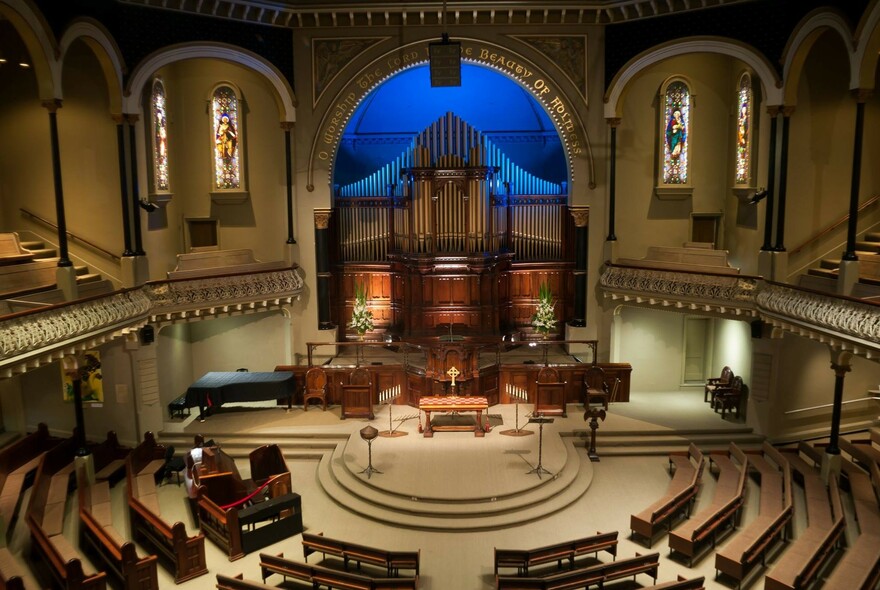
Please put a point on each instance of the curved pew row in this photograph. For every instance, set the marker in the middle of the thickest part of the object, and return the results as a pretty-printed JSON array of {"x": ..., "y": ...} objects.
[
  {"x": 331, "y": 578},
  {"x": 750, "y": 545},
  {"x": 726, "y": 503},
  {"x": 859, "y": 568},
  {"x": 678, "y": 498},
  {"x": 185, "y": 554},
  {"x": 522, "y": 559},
  {"x": 598, "y": 574},
  {"x": 391, "y": 561},
  {"x": 18, "y": 462},
  {"x": 45, "y": 519}
]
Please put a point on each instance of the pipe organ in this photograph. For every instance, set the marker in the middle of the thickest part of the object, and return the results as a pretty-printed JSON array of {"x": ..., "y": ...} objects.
[{"x": 453, "y": 216}]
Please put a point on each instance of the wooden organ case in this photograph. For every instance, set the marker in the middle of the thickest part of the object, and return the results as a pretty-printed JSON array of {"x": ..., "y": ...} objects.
[{"x": 452, "y": 237}]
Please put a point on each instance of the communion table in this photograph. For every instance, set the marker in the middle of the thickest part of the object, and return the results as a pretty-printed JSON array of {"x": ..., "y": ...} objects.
[{"x": 456, "y": 404}]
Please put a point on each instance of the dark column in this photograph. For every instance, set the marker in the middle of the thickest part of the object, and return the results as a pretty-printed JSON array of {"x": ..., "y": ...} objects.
[
  {"x": 581, "y": 244},
  {"x": 135, "y": 189},
  {"x": 850, "y": 254},
  {"x": 322, "y": 265},
  {"x": 288, "y": 167},
  {"x": 840, "y": 372},
  {"x": 81, "y": 448},
  {"x": 123, "y": 184},
  {"x": 612, "y": 181},
  {"x": 783, "y": 181},
  {"x": 63, "y": 257},
  {"x": 771, "y": 181}
]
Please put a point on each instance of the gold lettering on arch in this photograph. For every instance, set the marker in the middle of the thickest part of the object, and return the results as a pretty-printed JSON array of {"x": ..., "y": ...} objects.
[{"x": 543, "y": 89}]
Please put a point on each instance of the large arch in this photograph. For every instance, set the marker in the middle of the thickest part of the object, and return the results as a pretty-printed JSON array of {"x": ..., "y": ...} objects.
[
  {"x": 99, "y": 40},
  {"x": 770, "y": 82},
  {"x": 40, "y": 42},
  {"x": 805, "y": 34},
  {"x": 283, "y": 93},
  {"x": 868, "y": 49},
  {"x": 509, "y": 62}
]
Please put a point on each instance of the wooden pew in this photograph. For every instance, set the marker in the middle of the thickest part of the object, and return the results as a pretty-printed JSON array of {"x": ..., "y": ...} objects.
[
  {"x": 109, "y": 459},
  {"x": 599, "y": 574},
  {"x": 800, "y": 564},
  {"x": 680, "y": 584},
  {"x": 229, "y": 513},
  {"x": 322, "y": 576},
  {"x": 11, "y": 250},
  {"x": 750, "y": 545},
  {"x": 120, "y": 555},
  {"x": 18, "y": 462},
  {"x": 678, "y": 498},
  {"x": 186, "y": 554},
  {"x": 239, "y": 583},
  {"x": 726, "y": 503},
  {"x": 865, "y": 451},
  {"x": 12, "y": 572},
  {"x": 859, "y": 568},
  {"x": 522, "y": 559},
  {"x": 391, "y": 561},
  {"x": 45, "y": 519}
]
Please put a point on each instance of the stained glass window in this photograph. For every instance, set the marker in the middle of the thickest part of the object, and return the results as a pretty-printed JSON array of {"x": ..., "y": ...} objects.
[
  {"x": 226, "y": 139},
  {"x": 160, "y": 137},
  {"x": 676, "y": 129},
  {"x": 743, "y": 130}
]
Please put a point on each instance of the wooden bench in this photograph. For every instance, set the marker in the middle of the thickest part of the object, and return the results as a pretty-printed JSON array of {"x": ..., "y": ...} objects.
[
  {"x": 598, "y": 575},
  {"x": 864, "y": 451},
  {"x": 200, "y": 264},
  {"x": 391, "y": 561},
  {"x": 687, "y": 259},
  {"x": 11, "y": 250},
  {"x": 228, "y": 514},
  {"x": 322, "y": 576},
  {"x": 800, "y": 564},
  {"x": 12, "y": 573},
  {"x": 186, "y": 554},
  {"x": 18, "y": 462},
  {"x": 522, "y": 559},
  {"x": 109, "y": 459},
  {"x": 726, "y": 503},
  {"x": 680, "y": 584},
  {"x": 678, "y": 498},
  {"x": 45, "y": 519},
  {"x": 750, "y": 545},
  {"x": 119, "y": 554}
]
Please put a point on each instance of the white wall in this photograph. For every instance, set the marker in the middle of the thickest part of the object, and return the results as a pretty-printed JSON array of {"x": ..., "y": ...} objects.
[{"x": 651, "y": 341}]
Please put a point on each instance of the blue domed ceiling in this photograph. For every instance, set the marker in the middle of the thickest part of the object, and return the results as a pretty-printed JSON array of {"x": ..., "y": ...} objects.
[{"x": 383, "y": 125}]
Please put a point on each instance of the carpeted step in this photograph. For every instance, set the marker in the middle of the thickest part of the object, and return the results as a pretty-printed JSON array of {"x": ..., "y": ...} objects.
[
  {"x": 823, "y": 272},
  {"x": 829, "y": 263},
  {"x": 868, "y": 247},
  {"x": 43, "y": 253},
  {"x": 88, "y": 278}
]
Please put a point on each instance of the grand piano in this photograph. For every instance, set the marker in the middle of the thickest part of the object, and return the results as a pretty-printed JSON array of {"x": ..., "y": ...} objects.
[{"x": 215, "y": 388}]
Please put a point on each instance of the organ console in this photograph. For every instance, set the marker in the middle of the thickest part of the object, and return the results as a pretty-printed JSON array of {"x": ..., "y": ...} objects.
[{"x": 453, "y": 232}]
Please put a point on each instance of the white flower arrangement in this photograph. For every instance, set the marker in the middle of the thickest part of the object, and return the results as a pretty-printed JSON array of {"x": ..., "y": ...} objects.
[
  {"x": 361, "y": 317},
  {"x": 544, "y": 319}
]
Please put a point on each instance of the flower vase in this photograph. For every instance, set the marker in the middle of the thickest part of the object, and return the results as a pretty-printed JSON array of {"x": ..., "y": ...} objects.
[{"x": 361, "y": 336}]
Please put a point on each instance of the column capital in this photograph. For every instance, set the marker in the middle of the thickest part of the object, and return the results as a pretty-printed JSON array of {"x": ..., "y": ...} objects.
[
  {"x": 322, "y": 218},
  {"x": 613, "y": 121},
  {"x": 118, "y": 118},
  {"x": 286, "y": 125},
  {"x": 131, "y": 118},
  {"x": 51, "y": 105},
  {"x": 581, "y": 216},
  {"x": 776, "y": 109}
]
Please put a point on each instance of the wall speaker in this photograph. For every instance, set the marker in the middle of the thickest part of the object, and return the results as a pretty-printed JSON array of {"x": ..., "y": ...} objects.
[
  {"x": 445, "y": 62},
  {"x": 757, "y": 329},
  {"x": 148, "y": 334}
]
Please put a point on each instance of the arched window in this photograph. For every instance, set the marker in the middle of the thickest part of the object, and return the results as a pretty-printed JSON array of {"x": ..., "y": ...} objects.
[
  {"x": 744, "y": 126},
  {"x": 675, "y": 134},
  {"x": 227, "y": 141},
  {"x": 159, "y": 116}
]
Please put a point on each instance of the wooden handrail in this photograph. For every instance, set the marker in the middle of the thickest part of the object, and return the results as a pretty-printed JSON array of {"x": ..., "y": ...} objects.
[
  {"x": 833, "y": 226},
  {"x": 73, "y": 237}
]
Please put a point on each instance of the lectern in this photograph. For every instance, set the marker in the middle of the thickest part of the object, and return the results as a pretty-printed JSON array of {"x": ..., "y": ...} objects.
[{"x": 540, "y": 421}]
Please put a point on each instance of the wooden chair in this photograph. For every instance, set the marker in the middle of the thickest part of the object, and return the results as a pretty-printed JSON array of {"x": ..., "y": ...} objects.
[
  {"x": 596, "y": 386},
  {"x": 714, "y": 383},
  {"x": 549, "y": 392},
  {"x": 729, "y": 397},
  {"x": 316, "y": 387}
]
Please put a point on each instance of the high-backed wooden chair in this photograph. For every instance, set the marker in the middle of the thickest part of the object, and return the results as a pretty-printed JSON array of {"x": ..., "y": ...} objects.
[
  {"x": 316, "y": 387},
  {"x": 549, "y": 392},
  {"x": 728, "y": 397},
  {"x": 357, "y": 396},
  {"x": 596, "y": 387},
  {"x": 714, "y": 382}
]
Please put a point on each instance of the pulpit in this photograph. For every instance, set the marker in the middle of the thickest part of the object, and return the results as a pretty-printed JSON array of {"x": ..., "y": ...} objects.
[{"x": 453, "y": 368}]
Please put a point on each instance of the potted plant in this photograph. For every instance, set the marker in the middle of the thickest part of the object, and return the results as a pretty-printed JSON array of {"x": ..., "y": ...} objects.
[
  {"x": 361, "y": 317},
  {"x": 544, "y": 319}
]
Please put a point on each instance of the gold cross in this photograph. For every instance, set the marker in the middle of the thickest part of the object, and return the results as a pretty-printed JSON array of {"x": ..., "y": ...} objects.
[{"x": 453, "y": 372}]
